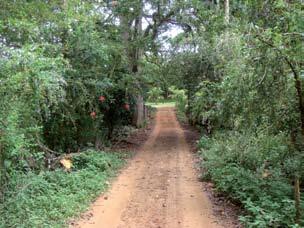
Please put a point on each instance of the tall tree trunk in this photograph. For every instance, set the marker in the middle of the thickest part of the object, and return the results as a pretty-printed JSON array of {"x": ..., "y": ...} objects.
[
  {"x": 227, "y": 11},
  {"x": 217, "y": 3},
  {"x": 139, "y": 111},
  {"x": 298, "y": 86},
  {"x": 134, "y": 55},
  {"x": 297, "y": 197}
]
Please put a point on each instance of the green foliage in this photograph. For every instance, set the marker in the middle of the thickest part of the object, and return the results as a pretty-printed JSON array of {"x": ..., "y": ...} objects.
[
  {"x": 57, "y": 60},
  {"x": 180, "y": 98},
  {"x": 155, "y": 94},
  {"x": 50, "y": 198},
  {"x": 203, "y": 108},
  {"x": 32, "y": 88},
  {"x": 253, "y": 170},
  {"x": 69, "y": 76}
]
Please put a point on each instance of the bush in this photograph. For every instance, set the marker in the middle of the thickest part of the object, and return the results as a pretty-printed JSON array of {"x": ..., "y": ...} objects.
[
  {"x": 50, "y": 198},
  {"x": 31, "y": 89},
  {"x": 252, "y": 169},
  {"x": 155, "y": 94},
  {"x": 180, "y": 98}
]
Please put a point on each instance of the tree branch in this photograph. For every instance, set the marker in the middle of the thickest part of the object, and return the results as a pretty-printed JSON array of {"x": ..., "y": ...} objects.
[{"x": 157, "y": 24}]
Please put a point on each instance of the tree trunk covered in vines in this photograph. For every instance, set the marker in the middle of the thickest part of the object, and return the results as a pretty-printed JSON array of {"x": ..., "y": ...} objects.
[{"x": 134, "y": 54}]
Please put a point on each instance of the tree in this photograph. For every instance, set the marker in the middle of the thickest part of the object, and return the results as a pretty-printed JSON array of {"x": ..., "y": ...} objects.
[{"x": 227, "y": 11}]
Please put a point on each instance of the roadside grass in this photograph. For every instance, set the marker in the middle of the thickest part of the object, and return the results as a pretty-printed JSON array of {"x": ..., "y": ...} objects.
[
  {"x": 235, "y": 162},
  {"x": 161, "y": 104},
  {"x": 181, "y": 116},
  {"x": 51, "y": 198}
]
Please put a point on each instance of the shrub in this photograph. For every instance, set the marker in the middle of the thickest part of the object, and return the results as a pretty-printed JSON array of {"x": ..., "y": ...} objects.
[
  {"x": 155, "y": 94},
  {"x": 252, "y": 169},
  {"x": 180, "y": 98},
  {"x": 50, "y": 198}
]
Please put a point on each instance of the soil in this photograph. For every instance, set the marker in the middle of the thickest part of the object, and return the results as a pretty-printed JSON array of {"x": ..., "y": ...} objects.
[{"x": 160, "y": 187}]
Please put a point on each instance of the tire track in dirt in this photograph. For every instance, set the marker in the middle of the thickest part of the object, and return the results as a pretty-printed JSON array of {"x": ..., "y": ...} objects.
[{"x": 159, "y": 188}]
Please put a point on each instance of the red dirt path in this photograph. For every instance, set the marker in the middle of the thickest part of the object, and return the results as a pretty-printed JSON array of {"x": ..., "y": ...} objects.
[{"x": 159, "y": 188}]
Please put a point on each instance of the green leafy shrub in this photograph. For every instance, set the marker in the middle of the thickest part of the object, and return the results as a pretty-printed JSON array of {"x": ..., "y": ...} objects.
[
  {"x": 251, "y": 169},
  {"x": 179, "y": 96},
  {"x": 32, "y": 88},
  {"x": 50, "y": 198},
  {"x": 54, "y": 68},
  {"x": 155, "y": 94}
]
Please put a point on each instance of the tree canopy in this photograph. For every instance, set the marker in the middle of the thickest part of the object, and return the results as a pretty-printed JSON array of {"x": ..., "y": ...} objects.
[{"x": 73, "y": 71}]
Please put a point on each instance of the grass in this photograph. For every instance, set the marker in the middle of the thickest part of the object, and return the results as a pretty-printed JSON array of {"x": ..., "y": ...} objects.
[
  {"x": 51, "y": 198},
  {"x": 181, "y": 116},
  {"x": 161, "y": 104}
]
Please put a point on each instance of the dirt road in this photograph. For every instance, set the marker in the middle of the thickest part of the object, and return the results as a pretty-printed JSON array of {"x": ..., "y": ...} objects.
[{"x": 158, "y": 189}]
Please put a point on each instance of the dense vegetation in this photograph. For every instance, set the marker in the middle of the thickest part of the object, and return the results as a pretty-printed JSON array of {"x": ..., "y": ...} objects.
[
  {"x": 71, "y": 72},
  {"x": 65, "y": 85},
  {"x": 52, "y": 197},
  {"x": 242, "y": 75}
]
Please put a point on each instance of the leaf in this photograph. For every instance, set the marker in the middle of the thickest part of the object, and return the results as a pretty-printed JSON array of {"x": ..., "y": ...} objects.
[
  {"x": 67, "y": 163},
  {"x": 266, "y": 174}
]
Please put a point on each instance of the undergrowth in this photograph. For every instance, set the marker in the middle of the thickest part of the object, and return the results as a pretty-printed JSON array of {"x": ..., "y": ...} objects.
[
  {"x": 254, "y": 170},
  {"x": 50, "y": 198},
  {"x": 181, "y": 116}
]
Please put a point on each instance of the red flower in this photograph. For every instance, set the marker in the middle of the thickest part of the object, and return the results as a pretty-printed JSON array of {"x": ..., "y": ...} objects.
[
  {"x": 127, "y": 107},
  {"x": 93, "y": 115},
  {"x": 102, "y": 98}
]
